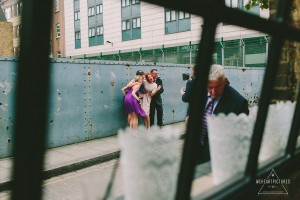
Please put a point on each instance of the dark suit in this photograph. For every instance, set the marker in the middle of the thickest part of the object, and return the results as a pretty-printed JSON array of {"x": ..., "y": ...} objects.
[
  {"x": 186, "y": 97},
  {"x": 156, "y": 104},
  {"x": 230, "y": 102}
]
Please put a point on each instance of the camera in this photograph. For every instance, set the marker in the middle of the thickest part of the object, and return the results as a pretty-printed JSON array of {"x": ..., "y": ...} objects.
[{"x": 185, "y": 76}]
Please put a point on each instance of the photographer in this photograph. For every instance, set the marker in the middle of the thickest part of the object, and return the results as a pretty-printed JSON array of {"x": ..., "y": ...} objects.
[{"x": 186, "y": 93}]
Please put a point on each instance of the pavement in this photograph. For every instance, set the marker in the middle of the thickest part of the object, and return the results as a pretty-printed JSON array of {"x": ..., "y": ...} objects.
[{"x": 69, "y": 158}]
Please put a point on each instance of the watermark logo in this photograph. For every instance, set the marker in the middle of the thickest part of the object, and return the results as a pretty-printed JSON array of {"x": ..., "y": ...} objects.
[{"x": 273, "y": 185}]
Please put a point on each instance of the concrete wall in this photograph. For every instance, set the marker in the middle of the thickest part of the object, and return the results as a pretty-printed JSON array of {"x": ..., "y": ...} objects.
[{"x": 86, "y": 100}]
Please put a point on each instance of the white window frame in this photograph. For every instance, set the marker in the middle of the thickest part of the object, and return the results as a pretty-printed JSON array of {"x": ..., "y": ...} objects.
[
  {"x": 77, "y": 16},
  {"x": 57, "y": 30},
  {"x": 91, "y": 11}
]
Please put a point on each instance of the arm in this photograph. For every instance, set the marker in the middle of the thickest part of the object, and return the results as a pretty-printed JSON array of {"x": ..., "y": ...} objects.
[
  {"x": 159, "y": 83},
  {"x": 155, "y": 91},
  {"x": 134, "y": 90},
  {"x": 187, "y": 94},
  {"x": 129, "y": 85}
]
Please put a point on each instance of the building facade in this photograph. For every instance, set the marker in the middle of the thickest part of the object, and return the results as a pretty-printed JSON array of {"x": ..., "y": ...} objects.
[
  {"x": 13, "y": 10},
  {"x": 138, "y": 31},
  {"x": 6, "y": 40},
  {"x": 58, "y": 30}
]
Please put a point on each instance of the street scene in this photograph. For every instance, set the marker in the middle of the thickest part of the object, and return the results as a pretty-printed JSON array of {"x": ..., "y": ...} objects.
[{"x": 132, "y": 99}]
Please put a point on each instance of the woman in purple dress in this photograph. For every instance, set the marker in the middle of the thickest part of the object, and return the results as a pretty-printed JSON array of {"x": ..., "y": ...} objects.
[{"x": 132, "y": 103}]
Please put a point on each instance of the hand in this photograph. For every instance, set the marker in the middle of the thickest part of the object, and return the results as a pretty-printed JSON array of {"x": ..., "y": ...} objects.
[
  {"x": 182, "y": 91},
  {"x": 158, "y": 88}
]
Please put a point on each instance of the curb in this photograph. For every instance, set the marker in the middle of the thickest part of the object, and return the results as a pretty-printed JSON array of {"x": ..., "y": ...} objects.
[{"x": 7, "y": 185}]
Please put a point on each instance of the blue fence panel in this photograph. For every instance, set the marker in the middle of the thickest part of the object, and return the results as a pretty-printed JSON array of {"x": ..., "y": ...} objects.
[
  {"x": 7, "y": 92},
  {"x": 86, "y": 100}
]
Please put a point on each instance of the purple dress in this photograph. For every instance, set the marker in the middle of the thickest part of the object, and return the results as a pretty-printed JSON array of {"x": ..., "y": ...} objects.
[{"x": 132, "y": 105}]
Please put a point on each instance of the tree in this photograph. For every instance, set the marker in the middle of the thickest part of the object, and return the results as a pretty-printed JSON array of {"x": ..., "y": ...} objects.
[{"x": 263, "y": 4}]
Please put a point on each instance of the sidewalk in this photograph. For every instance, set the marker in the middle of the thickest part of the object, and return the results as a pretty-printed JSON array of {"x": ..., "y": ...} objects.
[{"x": 65, "y": 159}]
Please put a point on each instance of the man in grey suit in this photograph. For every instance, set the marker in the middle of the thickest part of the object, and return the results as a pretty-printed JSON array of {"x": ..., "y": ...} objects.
[{"x": 221, "y": 98}]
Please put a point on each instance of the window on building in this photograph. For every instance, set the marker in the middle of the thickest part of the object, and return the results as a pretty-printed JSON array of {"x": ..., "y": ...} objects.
[
  {"x": 135, "y": 2},
  {"x": 58, "y": 54},
  {"x": 56, "y": 5},
  {"x": 77, "y": 15},
  {"x": 136, "y": 23},
  {"x": 125, "y": 3},
  {"x": 57, "y": 30},
  {"x": 91, "y": 11},
  {"x": 99, "y": 9},
  {"x": 183, "y": 15},
  {"x": 126, "y": 25},
  {"x": 77, "y": 35},
  {"x": 170, "y": 15},
  {"x": 99, "y": 30},
  {"x": 8, "y": 13},
  {"x": 91, "y": 32},
  {"x": 14, "y": 10},
  {"x": 177, "y": 21},
  {"x": 16, "y": 51},
  {"x": 18, "y": 30}
]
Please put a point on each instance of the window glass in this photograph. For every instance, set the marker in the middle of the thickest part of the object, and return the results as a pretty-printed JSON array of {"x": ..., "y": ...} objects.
[
  {"x": 127, "y": 3},
  {"x": 124, "y": 25},
  {"x": 99, "y": 9},
  {"x": 133, "y": 23},
  {"x": 123, "y": 3},
  {"x": 99, "y": 30},
  {"x": 186, "y": 15},
  {"x": 77, "y": 16},
  {"x": 8, "y": 13},
  {"x": 91, "y": 11},
  {"x": 56, "y": 5},
  {"x": 128, "y": 24},
  {"x": 168, "y": 14},
  {"x": 57, "y": 30},
  {"x": 91, "y": 32},
  {"x": 173, "y": 15},
  {"x": 138, "y": 22},
  {"x": 58, "y": 54},
  {"x": 77, "y": 35},
  {"x": 181, "y": 15}
]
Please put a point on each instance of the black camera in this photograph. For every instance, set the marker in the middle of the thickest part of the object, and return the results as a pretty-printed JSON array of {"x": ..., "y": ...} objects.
[{"x": 185, "y": 76}]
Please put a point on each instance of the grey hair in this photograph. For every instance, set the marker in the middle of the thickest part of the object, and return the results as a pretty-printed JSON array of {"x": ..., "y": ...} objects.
[{"x": 216, "y": 72}]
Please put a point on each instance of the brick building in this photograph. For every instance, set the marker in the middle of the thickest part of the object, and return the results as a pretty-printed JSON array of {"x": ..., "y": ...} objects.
[{"x": 6, "y": 41}]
